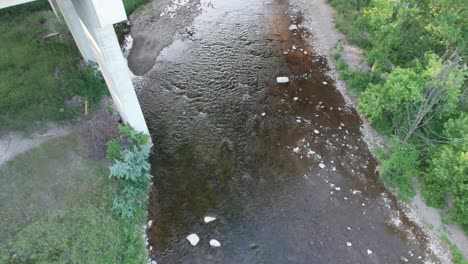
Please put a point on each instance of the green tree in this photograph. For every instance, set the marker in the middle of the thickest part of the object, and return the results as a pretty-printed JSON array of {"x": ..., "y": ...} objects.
[
  {"x": 447, "y": 174},
  {"x": 386, "y": 103},
  {"x": 400, "y": 167}
]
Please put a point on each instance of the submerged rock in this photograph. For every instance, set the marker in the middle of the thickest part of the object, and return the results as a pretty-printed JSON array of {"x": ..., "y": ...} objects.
[{"x": 193, "y": 239}]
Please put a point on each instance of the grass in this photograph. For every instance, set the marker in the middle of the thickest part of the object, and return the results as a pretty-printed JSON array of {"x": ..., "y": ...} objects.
[
  {"x": 56, "y": 208},
  {"x": 29, "y": 89},
  {"x": 34, "y": 71},
  {"x": 457, "y": 256}
]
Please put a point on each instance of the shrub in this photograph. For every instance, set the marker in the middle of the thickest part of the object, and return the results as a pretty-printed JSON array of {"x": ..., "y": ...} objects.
[
  {"x": 398, "y": 169},
  {"x": 130, "y": 153},
  {"x": 447, "y": 174},
  {"x": 87, "y": 83}
]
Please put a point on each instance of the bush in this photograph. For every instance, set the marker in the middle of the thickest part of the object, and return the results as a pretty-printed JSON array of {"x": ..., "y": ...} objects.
[
  {"x": 398, "y": 169},
  {"x": 447, "y": 174},
  {"x": 87, "y": 83},
  {"x": 130, "y": 154}
]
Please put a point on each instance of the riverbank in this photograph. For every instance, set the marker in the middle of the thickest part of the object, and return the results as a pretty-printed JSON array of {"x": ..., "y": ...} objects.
[
  {"x": 57, "y": 198},
  {"x": 328, "y": 41}
]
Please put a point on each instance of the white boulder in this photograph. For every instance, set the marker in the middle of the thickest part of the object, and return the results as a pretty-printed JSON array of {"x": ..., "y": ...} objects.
[
  {"x": 193, "y": 239},
  {"x": 208, "y": 219},
  {"x": 293, "y": 27},
  {"x": 282, "y": 79},
  {"x": 215, "y": 243}
]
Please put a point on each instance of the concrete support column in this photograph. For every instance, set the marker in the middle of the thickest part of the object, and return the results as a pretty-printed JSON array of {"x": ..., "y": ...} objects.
[
  {"x": 74, "y": 24},
  {"x": 117, "y": 75}
]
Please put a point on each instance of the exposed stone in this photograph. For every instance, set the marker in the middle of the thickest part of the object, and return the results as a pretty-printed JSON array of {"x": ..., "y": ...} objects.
[
  {"x": 208, "y": 219},
  {"x": 193, "y": 239},
  {"x": 293, "y": 27},
  {"x": 215, "y": 243},
  {"x": 282, "y": 79}
]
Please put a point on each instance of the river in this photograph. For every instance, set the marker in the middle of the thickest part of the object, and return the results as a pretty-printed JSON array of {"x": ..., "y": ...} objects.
[{"x": 283, "y": 167}]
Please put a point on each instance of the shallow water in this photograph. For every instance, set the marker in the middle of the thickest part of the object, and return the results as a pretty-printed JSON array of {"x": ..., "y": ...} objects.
[{"x": 283, "y": 167}]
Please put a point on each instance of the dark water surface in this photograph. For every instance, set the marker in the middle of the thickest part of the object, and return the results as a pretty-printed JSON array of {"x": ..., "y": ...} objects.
[{"x": 231, "y": 142}]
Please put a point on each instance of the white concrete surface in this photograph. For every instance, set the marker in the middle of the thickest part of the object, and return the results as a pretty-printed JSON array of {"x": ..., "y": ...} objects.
[
  {"x": 100, "y": 13},
  {"x": 117, "y": 75},
  {"x": 8, "y": 3},
  {"x": 74, "y": 24}
]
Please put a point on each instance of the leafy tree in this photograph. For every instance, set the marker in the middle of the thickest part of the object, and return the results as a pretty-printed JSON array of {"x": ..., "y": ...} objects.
[
  {"x": 447, "y": 174},
  {"x": 385, "y": 103},
  {"x": 446, "y": 21},
  {"x": 400, "y": 167}
]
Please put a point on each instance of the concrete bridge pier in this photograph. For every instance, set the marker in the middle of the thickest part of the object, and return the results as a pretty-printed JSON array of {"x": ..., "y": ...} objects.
[
  {"x": 117, "y": 75},
  {"x": 91, "y": 24}
]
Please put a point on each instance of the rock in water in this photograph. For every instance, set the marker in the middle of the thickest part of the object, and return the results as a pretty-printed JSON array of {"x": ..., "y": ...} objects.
[
  {"x": 214, "y": 243},
  {"x": 282, "y": 79},
  {"x": 193, "y": 239},
  {"x": 293, "y": 27},
  {"x": 208, "y": 219}
]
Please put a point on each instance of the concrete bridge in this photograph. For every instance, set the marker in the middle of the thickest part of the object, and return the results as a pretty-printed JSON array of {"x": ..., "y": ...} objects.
[{"x": 91, "y": 24}]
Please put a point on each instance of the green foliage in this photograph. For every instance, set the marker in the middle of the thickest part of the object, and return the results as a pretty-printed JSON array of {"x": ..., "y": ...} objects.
[
  {"x": 389, "y": 101},
  {"x": 87, "y": 83},
  {"x": 34, "y": 70},
  {"x": 113, "y": 150},
  {"x": 132, "y": 5},
  {"x": 417, "y": 50},
  {"x": 401, "y": 97},
  {"x": 447, "y": 23},
  {"x": 56, "y": 208},
  {"x": 133, "y": 165},
  {"x": 400, "y": 168},
  {"x": 85, "y": 235},
  {"x": 130, "y": 154},
  {"x": 447, "y": 174},
  {"x": 457, "y": 256}
]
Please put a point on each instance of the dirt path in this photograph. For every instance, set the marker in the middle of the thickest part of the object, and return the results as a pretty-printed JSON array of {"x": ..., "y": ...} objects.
[
  {"x": 319, "y": 20},
  {"x": 15, "y": 143}
]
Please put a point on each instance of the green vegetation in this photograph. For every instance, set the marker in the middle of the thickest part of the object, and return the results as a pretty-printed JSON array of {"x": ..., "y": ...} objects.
[
  {"x": 132, "y": 5},
  {"x": 415, "y": 92},
  {"x": 130, "y": 153},
  {"x": 400, "y": 167},
  {"x": 38, "y": 75},
  {"x": 457, "y": 256},
  {"x": 56, "y": 208}
]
